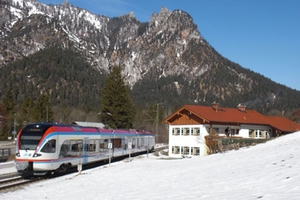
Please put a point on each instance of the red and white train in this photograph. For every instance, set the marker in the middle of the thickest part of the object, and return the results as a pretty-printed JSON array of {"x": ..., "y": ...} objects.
[{"x": 44, "y": 148}]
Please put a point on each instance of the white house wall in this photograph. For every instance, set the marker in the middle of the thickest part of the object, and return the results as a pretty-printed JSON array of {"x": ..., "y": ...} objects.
[
  {"x": 190, "y": 141},
  {"x": 260, "y": 131}
]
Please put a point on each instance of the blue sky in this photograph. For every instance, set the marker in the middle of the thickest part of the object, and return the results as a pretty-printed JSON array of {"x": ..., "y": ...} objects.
[{"x": 261, "y": 35}]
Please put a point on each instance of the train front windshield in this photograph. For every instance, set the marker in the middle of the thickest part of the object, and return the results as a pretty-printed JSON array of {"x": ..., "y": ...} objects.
[{"x": 31, "y": 135}]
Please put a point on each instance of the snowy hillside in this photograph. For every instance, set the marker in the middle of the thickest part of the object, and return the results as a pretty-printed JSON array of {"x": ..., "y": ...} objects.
[{"x": 265, "y": 171}]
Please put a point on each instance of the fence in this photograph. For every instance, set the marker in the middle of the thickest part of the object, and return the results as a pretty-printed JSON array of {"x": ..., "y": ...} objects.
[{"x": 4, "y": 154}]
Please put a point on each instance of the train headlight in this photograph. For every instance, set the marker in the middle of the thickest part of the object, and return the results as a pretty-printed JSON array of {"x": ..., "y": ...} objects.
[
  {"x": 37, "y": 155},
  {"x": 18, "y": 154}
]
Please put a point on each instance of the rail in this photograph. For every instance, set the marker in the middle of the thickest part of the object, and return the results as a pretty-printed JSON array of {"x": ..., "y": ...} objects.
[{"x": 15, "y": 182}]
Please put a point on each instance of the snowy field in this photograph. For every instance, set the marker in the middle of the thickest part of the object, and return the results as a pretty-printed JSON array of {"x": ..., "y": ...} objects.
[{"x": 265, "y": 171}]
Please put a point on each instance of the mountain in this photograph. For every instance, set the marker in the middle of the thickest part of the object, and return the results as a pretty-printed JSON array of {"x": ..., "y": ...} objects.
[{"x": 165, "y": 60}]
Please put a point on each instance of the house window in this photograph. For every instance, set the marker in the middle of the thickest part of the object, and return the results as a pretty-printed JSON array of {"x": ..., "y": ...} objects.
[
  {"x": 178, "y": 131},
  {"x": 196, "y": 131},
  {"x": 175, "y": 149},
  {"x": 258, "y": 133},
  {"x": 196, "y": 151},
  {"x": 186, "y": 131},
  {"x": 215, "y": 130},
  {"x": 186, "y": 150},
  {"x": 173, "y": 131},
  {"x": 251, "y": 133}
]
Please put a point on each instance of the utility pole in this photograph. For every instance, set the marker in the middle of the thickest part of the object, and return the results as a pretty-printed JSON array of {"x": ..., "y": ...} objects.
[
  {"x": 157, "y": 118},
  {"x": 47, "y": 115},
  {"x": 14, "y": 132}
]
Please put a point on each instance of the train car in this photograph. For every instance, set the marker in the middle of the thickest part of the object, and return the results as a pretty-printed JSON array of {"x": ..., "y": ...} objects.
[{"x": 47, "y": 148}]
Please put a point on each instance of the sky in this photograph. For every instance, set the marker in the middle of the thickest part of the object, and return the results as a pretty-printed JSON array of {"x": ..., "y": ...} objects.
[
  {"x": 268, "y": 171},
  {"x": 262, "y": 36}
]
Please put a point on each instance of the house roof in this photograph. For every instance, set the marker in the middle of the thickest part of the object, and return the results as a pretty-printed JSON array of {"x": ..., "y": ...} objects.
[
  {"x": 217, "y": 115},
  {"x": 227, "y": 115},
  {"x": 283, "y": 124}
]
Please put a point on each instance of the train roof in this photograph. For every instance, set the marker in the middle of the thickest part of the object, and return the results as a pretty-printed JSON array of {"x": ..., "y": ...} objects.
[{"x": 77, "y": 128}]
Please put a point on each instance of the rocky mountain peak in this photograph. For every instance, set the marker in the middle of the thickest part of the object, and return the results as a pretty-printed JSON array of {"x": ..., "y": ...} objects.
[
  {"x": 158, "y": 19},
  {"x": 169, "y": 48}
]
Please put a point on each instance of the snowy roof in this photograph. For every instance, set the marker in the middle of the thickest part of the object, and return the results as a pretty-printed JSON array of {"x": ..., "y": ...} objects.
[{"x": 89, "y": 124}]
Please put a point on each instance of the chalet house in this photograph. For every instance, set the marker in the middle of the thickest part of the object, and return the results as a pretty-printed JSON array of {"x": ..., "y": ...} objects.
[{"x": 191, "y": 123}]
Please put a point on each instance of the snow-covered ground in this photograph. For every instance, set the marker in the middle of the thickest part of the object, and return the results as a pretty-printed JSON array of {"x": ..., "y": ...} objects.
[{"x": 264, "y": 171}]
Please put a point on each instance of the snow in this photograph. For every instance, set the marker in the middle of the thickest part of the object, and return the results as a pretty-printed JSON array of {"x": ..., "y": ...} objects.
[
  {"x": 17, "y": 12},
  {"x": 18, "y": 2},
  {"x": 264, "y": 171}
]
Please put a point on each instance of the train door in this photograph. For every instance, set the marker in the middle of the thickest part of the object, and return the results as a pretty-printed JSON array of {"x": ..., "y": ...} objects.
[
  {"x": 85, "y": 150},
  {"x": 123, "y": 145},
  {"x": 117, "y": 146},
  {"x": 97, "y": 146}
]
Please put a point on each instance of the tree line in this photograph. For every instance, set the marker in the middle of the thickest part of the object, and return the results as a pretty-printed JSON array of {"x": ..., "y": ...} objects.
[
  {"x": 13, "y": 116},
  {"x": 116, "y": 109}
]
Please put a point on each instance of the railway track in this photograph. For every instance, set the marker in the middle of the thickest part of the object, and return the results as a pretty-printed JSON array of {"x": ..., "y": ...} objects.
[
  {"x": 13, "y": 183},
  {"x": 8, "y": 175}
]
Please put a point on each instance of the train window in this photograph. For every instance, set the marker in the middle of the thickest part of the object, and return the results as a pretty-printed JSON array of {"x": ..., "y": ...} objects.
[
  {"x": 133, "y": 143},
  {"x": 92, "y": 146},
  {"x": 76, "y": 145},
  {"x": 65, "y": 147},
  {"x": 49, "y": 147},
  {"x": 117, "y": 143},
  {"x": 103, "y": 145},
  {"x": 29, "y": 141}
]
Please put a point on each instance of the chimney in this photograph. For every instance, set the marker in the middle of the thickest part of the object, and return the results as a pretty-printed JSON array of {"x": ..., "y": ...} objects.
[
  {"x": 241, "y": 107},
  {"x": 215, "y": 105}
]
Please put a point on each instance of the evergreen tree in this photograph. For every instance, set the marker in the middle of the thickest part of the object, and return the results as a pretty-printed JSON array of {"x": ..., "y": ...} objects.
[
  {"x": 42, "y": 110},
  {"x": 3, "y": 121},
  {"x": 25, "y": 115},
  {"x": 117, "y": 107},
  {"x": 8, "y": 114}
]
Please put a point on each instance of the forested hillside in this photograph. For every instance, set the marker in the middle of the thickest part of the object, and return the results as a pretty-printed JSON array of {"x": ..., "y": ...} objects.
[{"x": 64, "y": 75}]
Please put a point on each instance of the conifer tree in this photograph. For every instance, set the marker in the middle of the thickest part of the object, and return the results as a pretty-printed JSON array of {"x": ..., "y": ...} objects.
[
  {"x": 25, "y": 115},
  {"x": 7, "y": 114},
  {"x": 42, "y": 110},
  {"x": 117, "y": 109}
]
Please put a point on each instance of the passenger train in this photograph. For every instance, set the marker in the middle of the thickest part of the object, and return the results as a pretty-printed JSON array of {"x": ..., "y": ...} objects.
[{"x": 47, "y": 148}]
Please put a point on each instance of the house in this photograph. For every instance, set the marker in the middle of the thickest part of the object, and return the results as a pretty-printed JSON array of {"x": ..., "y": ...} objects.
[{"x": 189, "y": 125}]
